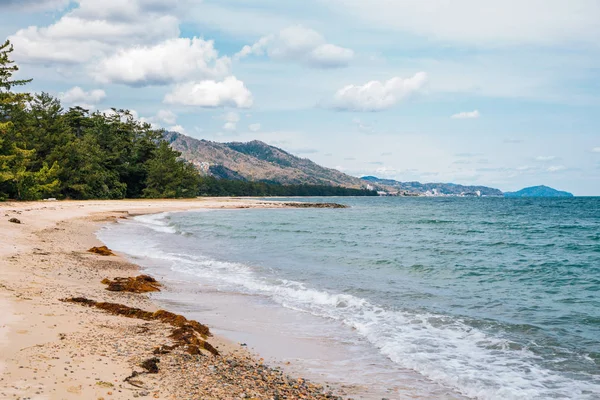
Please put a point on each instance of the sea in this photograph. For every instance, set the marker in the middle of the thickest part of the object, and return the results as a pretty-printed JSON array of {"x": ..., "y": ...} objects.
[{"x": 394, "y": 297}]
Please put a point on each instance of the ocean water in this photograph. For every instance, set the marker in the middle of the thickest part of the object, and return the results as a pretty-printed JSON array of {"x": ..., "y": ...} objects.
[{"x": 484, "y": 298}]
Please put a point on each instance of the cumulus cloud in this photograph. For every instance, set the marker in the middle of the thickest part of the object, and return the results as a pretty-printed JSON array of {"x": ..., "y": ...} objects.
[
  {"x": 545, "y": 158},
  {"x": 174, "y": 60},
  {"x": 78, "y": 96},
  {"x": 466, "y": 115},
  {"x": 161, "y": 119},
  {"x": 596, "y": 150},
  {"x": 556, "y": 168},
  {"x": 85, "y": 33},
  {"x": 230, "y": 92},
  {"x": 231, "y": 119},
  {"x": 177, "y": 128},
  {"x": 254, "y": 127},
  {"x": 166, "y": 116},
  {"x": 378, "y": 95},
  {"x": 300, "y": 44}
]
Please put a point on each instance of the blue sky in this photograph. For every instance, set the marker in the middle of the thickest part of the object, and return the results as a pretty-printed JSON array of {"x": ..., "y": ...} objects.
[{"x": 498, "y": 93}]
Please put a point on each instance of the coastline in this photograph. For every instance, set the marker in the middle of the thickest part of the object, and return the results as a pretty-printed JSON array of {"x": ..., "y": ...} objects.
[{"x": 51, "y": 349}]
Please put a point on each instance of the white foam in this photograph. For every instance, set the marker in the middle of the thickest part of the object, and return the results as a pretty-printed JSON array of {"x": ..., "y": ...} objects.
[{"x": 156, "y": 222}]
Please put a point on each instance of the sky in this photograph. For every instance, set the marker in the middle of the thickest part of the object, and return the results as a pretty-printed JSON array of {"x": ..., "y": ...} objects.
[{"x": 502, "y": 93}]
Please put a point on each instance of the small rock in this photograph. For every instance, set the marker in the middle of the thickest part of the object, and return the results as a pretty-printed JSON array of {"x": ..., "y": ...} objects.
[{"x": 14, "y": 220}]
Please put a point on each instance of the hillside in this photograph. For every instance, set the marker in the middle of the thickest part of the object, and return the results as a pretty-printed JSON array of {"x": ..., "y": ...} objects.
[
  {"x": 256, "y": 161},
  {"x": 538, "y": 191},
  {"x": 450, "y": 189}
]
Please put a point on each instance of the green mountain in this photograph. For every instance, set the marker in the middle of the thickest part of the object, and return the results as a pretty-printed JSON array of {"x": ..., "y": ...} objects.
[
  {"x": 448, "y": 189},
  {"x": 538, "y": 191},
  {"x": 256, "y": 161}
]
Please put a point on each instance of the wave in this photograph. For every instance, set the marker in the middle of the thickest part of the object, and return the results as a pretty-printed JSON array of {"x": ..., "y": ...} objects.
[
  {"x": 157, "y": 222},
  {"x": 442, "y": 348}
]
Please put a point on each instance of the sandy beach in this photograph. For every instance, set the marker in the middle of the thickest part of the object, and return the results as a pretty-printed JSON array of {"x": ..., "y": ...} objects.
[{"x": 51, "y": 349}]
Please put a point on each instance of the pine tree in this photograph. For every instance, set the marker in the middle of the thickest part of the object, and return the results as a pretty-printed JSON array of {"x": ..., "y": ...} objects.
[{"x": 8, "y": 101}]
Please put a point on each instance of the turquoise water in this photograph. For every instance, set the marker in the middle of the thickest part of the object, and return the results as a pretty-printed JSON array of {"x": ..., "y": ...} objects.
[{"x": 494, "y": 298}]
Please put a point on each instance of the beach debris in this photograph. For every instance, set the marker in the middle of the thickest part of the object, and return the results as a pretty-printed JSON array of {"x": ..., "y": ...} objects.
[
  {"x": 138, "y": 284},
  {"x": 14, "y": 220},
  {"x": 151, "y": 365},
  {"x": 102, "y": 250},
  {"x": 187, "y": 337},
  {"x": 189, "y": 334}
]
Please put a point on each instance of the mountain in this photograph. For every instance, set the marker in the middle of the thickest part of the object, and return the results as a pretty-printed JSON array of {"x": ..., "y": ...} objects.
[
  {"x": 538, "y": 191},
  {"x": 256, "y": 161},
  {"x": 450, "y": 189}
]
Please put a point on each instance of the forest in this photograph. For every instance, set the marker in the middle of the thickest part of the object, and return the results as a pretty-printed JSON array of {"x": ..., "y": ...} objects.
[{"x": 49, "y": 152}]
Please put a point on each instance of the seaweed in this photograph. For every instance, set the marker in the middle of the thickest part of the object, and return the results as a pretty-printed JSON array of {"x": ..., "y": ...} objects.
[
  {"x": 185, "y": 335},
  {"x": 102, "y": 250},
  {"x": 138, "y": 284}
]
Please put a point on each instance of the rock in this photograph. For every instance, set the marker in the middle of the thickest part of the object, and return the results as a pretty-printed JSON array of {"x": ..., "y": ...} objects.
[
  {"x": 14, "y": 221},
  {"x": 315, "y": 205},
  {"x": 151, "y": 365}
]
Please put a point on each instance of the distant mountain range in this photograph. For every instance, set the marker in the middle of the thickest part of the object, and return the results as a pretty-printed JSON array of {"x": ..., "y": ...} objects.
[
  {"x": 260, "y": 162},
  {"x": 538, "y": 191},
  {"x": 448, "y": 189},
  {"x": 256, "y": 161}
]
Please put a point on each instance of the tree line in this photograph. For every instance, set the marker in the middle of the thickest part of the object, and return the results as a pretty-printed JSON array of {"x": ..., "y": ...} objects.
[
  {"x": 211, "y": 186},
  {"x": 47, "y": 151}
]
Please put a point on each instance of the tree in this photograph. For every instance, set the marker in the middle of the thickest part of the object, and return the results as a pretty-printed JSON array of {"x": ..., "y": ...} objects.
[
  {"x": 8, "y": 102},
  {"x": 169, "y": 177}
]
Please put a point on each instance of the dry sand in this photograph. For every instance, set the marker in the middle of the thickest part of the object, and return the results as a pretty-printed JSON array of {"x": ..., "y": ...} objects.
[{"x": 55, "y": 350}]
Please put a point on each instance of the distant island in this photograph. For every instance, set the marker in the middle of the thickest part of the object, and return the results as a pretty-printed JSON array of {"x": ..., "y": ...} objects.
[{"x": 538, "y": 191}]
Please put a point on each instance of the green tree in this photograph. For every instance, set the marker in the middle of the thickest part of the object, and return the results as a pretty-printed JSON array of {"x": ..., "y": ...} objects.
[
  {"x": 169, "y": 177},
  {"x": 9, "y": 101}
]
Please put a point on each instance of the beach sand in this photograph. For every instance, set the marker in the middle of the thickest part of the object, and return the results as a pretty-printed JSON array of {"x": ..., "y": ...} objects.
[{"x": 50, "y": 349}]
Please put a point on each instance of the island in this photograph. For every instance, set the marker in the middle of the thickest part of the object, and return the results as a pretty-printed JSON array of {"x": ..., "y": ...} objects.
[{"x": 538, "y": 191}]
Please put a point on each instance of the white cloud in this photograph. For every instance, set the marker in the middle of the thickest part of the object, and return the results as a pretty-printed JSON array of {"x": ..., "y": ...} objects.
[
  {"x": 377, "y": 95},
  {"x": 466, "y": 115},
  {"x": 174, "y": 60},
  {"x": 596, "y": 150},
  {"x": 166, "y": 116},
  {"x": 556, "y": 168},
  {"x": 177, "y": 128},
  {"x": 85, "y": 33},
  {"x": 231, "y": 119},
  {"x": 545, "y": 158},
  {"x": 300, "y": 44},
  {"x": 231, "y": 92},
  {"x": 78, "y": 96},
  {"x": 161, "y": 119},
  {"x": 546, "y": 22},
  {"x": 254, "y": 127}
]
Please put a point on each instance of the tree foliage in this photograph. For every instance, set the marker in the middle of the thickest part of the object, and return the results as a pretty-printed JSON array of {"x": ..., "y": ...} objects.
[{"x": 46, "y": 151}]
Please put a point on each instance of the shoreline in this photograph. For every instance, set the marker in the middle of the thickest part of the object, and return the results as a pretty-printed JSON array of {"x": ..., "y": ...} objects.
[{"x": 51, "y": 349}]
